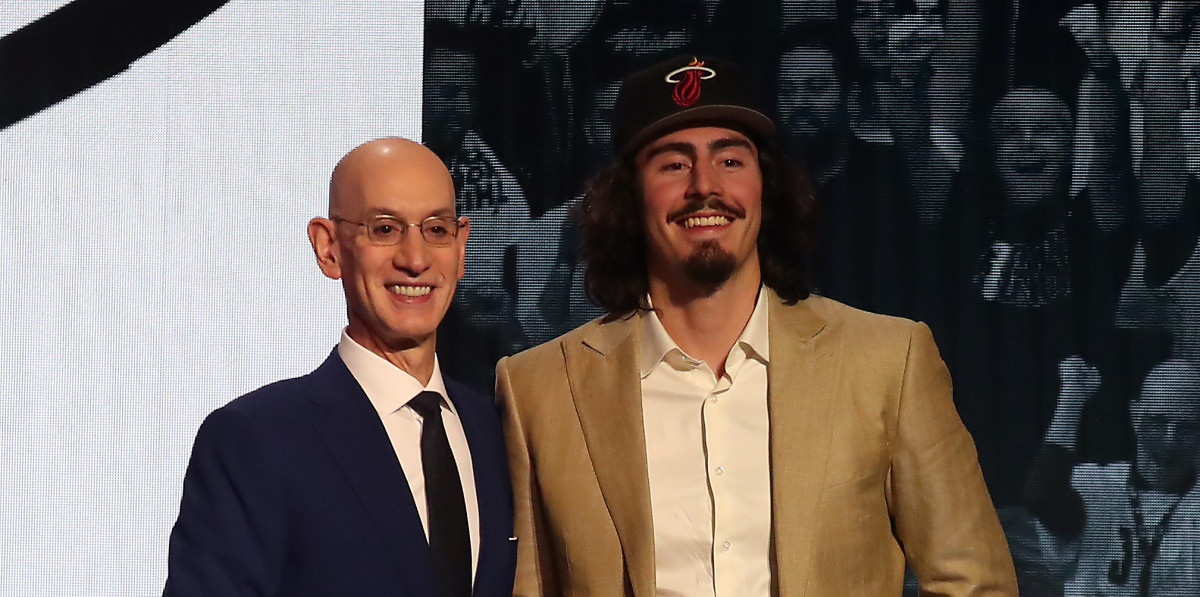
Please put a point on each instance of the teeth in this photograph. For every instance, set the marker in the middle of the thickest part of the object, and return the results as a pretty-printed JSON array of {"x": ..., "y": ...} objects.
[
  {"x": 692, "y": 222},
  {"x": 411, "y": 290}
]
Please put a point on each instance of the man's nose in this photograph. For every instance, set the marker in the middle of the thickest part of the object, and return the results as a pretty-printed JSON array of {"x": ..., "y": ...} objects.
[
  {"x": 705, "y": 180},
  {"x": 412, "y": 252},
  {"x": 1029, "y": 136}
]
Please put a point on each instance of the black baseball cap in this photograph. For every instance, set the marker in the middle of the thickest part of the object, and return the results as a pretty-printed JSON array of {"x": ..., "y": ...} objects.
[{"x": 681, "y": 92}]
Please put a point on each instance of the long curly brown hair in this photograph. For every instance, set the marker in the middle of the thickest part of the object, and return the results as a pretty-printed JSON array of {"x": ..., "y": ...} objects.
[{"x": 614, "y": 240}]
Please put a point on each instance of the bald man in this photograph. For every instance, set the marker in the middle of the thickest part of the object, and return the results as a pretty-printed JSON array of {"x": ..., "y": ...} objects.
[
  {"x": 372, "y": 475},
  {"x": 1132, "y": 527}
]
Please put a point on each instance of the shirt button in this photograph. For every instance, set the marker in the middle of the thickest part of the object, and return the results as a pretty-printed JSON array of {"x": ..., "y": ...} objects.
[
  {"x": 712, "y": 399},
  {"x": 725, "y": 546},
  {"x": 720, "y": 470}
]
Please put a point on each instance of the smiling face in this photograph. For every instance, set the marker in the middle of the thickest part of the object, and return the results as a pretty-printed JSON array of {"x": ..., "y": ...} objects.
[
  {"x": 702, "y": 206},
  {"x": 1031, "y": 133},
  {"x": 810, "y": 97},
  {"x": 395, "y": 295}
]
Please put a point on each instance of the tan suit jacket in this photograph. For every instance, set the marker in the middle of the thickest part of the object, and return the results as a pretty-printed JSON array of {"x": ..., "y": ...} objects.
[{"x": 869, "y": 462}]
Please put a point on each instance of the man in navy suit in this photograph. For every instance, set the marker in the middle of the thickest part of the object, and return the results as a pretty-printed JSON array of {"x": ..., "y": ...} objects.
[{"x": 372, "y": 475}]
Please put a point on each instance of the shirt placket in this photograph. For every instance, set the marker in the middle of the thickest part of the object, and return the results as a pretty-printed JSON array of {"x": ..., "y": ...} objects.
[
  {"x": 717, "y": 454},
  {"x": 699, "y": 380}
]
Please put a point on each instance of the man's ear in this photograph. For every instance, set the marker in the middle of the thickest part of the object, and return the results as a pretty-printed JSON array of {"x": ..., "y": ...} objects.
[
  {"x": 322, "y": 234},
  {"x": 463, "y": 233}
]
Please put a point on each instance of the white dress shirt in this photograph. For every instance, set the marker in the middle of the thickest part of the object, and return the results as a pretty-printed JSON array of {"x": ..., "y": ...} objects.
[
  {"x": 390, "y": 389},
  {"x": 709, "y": 463}
]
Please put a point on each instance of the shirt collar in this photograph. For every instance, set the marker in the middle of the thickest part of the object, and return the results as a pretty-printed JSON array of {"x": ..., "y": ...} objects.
[
  {"x": 756, "y": 338},
  {"x": 657, "y": 343},
  {"x": 387, "y": 386}
]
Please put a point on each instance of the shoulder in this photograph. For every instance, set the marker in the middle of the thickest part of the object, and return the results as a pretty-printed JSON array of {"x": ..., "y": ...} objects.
[
  {"x": 842, "y": 313},
  {"x": 538, "y": 358},
  {"x": 251, "y": 431},
  {"x": 862, "y": 328},
  {"x": 570, "y": 362},
  {"x": 879, "y": 355},
  {"x": 279, "y": 405},
  {"x": 270, "y": 400}
]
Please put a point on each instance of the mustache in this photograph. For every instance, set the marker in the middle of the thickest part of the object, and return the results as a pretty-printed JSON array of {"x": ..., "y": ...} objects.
[{"x": 706, "y": 204}]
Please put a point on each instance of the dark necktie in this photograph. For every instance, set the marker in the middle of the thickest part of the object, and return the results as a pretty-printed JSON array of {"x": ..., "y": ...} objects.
[{"x": 449, "y": 538}]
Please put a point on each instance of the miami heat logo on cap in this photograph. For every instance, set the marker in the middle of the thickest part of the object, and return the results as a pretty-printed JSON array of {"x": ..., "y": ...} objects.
[{"x": 687, "y": 81}]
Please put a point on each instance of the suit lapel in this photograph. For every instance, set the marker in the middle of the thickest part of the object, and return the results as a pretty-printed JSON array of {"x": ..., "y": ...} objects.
[
  {"x": 801, "y": 380},
  {"x": 355, "y": 437},
  {"x": 605, "y": 386},
  {"x": 492, "y": 490}
]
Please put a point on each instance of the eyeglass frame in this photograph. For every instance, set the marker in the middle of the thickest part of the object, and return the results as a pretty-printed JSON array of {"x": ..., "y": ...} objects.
[{"x": 457, "y": 222}]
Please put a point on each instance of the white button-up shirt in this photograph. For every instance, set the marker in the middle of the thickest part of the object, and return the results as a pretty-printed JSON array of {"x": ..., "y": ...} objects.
[
  {"x": 389, "y": 389},
  {"x": 709, "y": 463}
]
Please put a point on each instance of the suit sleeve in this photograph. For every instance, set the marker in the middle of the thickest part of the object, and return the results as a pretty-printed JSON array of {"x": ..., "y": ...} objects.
[
  {"x": 229, "y": 537},
  {"x": 535, "y": 566},
  {"x": 943, "y": 514}
]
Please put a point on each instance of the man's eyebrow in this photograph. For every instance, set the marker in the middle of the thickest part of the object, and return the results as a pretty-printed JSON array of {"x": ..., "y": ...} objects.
[
  {"x": 379, "y": 212},
  {"x": 448, "y": 212},
  {"x": 725, "y": 142},
  {"x": 677, "y": 146}
]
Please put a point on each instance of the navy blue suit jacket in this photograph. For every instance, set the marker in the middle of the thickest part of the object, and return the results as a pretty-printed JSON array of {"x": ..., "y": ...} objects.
[{"x": 295, "y": 489}]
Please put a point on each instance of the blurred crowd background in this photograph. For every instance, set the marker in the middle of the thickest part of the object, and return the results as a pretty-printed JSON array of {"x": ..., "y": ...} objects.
[{"x": 1019, "y": 174}]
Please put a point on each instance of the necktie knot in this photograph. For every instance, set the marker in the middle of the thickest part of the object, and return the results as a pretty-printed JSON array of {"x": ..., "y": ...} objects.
[{"x": 427, "y": 404}]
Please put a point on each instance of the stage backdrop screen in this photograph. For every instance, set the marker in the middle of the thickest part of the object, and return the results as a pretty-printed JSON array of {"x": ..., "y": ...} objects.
[
  {"x": 1021, "y": 175},
  {"x": 161, "y": 161}
]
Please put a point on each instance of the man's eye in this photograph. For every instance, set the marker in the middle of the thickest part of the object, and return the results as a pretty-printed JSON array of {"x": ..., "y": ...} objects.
[
  {"x": 673, "y": 166},
  {"x": 731, "y": 162},
  {"x": 385, "y": 230}
]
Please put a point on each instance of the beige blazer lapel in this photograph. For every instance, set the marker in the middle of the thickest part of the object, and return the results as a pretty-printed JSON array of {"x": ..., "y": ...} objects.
[
  {"x": 606, "y": 388},
  {"x": 801, "y": 377}
]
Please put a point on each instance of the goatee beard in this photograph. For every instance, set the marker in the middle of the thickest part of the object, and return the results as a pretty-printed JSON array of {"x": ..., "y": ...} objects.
[{"x": 709, "y": 266}]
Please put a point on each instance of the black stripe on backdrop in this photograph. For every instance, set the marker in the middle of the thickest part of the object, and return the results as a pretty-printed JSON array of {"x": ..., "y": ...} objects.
[{"x": 82, "y": 44}]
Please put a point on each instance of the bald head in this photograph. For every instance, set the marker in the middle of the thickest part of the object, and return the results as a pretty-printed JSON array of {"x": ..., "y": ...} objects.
[
  {"x": 1031, "y": 103},
  {"x": 1172, "y": 385},
  {"x": 379, "y": 161},
  {"x": 393, "y": 240},
  {"x": 1166, "y": 423}
]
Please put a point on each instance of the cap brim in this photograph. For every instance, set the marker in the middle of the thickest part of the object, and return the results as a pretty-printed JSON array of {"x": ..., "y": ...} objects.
[{"x": 736, "y": 117}]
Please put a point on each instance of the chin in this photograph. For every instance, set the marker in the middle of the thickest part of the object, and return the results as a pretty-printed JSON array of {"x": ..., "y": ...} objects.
[
  {"x": 408, "y": 339},
  {"x": 398, "y": 332}
]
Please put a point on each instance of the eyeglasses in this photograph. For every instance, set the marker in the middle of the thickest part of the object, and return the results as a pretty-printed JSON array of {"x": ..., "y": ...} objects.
[{"x": 438, "y": 231}]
